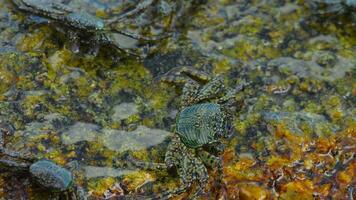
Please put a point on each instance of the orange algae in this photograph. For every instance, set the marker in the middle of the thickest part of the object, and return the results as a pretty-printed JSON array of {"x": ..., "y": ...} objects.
[
  {"x": 297, "y": 190},
  {"x": 286, "y": 175}
]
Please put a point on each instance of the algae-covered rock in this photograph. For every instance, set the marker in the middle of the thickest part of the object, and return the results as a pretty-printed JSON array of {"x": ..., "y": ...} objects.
[
  {"x": 304, "y": 69},
  {"x": 296, "y": 122},
  {"x": 324, "y": 42},
  {"x": 52, "y": 122}
]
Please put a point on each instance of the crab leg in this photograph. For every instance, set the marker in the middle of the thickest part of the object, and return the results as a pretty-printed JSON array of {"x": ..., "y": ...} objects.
[
  {"x": 14, "y": 154},
  {"x": 212, "y": 161},
  {"x": 212, "y": 89},
  {"x": 186, "y": 182},
  {"x": 176, "y": 75},
  {"x": 10, "y": 153},
  {"x": 48, "y": 12},
  {"x": 13, "y": 165},
  {"x": 140, "y": 37},
  {"x": 180, "y": 13},
  {"x": 141, "y": 6},
  {"x": 146, "y": 165}
]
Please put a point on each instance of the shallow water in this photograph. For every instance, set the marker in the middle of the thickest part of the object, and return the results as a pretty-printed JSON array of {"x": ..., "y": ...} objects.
[{"x": 295, "y": 130}]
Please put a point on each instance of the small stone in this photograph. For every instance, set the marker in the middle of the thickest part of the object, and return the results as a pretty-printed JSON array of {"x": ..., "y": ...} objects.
[{"x": 51, "y": 176}]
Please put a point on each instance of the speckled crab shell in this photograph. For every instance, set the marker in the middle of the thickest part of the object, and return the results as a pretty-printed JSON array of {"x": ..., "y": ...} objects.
[{"x": 201, "y": 124}]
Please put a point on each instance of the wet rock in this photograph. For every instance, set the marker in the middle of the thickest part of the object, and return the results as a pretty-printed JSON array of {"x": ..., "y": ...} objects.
[
  {"x": 96, "y": 172},
  {"x": 124, "y": 111},
  {"x": 80, "y": 132},
  {"x": 34, "y": 128},
  {"x": 305, "y": 69},
  {"x": 141, "y": 138},
  {"x": 293, "y": 66},
  {"x": 323, "y": 42},
  {"x": 56, "y": 120},
  {"x": 288, "y": 9},
  {"x": 71, "y": 76}
]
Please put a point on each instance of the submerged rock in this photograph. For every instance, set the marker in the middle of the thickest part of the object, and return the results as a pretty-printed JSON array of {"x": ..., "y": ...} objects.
[
  {"x": 80, "y": 132},
  {"x": 95, "y": 172},
  {"x": 141, "y": 138},
  {"x": 312, "y": 69},
  {"x": 123, "y": 111}
]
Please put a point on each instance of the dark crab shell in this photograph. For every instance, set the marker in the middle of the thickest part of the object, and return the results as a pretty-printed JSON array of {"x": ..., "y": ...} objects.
[
  {"x": 85, "y": 21},
  {"x": 201, "y": 124},
  {"x": 51, "y": 176}
]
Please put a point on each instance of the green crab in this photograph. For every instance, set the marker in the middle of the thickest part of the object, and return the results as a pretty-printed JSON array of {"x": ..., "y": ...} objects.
[
  {"x": 203, "y": 120},
  {"x": 82, "y": 27},
  {"x": 85, "y": 29},
  {"x": 45, "y": 173}
]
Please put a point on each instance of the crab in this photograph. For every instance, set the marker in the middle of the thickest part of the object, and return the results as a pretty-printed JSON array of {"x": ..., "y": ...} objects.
[
  {"x": 83, "y": 28},
  {"x": 47, "y": 174},
  {"x": 174, "y": 9},
  {"x": 338, "y": 7},
  {"x": 204, "y": 119}
]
